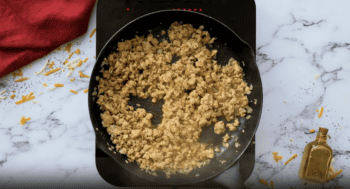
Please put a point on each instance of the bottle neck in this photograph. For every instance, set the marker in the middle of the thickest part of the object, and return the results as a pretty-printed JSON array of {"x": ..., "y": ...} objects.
[{"x": 321, "y": 138}]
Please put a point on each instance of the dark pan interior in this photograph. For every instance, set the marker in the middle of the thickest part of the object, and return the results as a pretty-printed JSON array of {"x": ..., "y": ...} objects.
[{"x": 228, "y": 45}]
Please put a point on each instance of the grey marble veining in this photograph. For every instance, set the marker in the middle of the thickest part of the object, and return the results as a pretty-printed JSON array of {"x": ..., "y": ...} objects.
[{"x": 296, "y": 40}]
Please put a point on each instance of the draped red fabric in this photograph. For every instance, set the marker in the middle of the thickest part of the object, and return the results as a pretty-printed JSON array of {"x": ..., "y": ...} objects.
[{"x": 30, "y": 29}]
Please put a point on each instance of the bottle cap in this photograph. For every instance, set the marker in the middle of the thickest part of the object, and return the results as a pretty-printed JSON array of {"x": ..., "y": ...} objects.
[{"x": 323, "y": 130}]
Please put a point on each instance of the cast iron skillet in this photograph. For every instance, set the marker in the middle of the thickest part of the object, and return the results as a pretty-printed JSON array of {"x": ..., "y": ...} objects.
[{"x": 228, "y": 45}]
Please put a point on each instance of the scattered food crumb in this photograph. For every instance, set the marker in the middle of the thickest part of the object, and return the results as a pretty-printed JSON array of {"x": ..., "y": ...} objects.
[
  {"x": 284, "y": 101},
  {"x": 272, "y": 184},
  {"x": 255, "y": 101},
  {"x": 335, "y": 175},
  {"x": 68, "y": 47},
  {"x": 35, "y": 102},
  {"x": 264, "y": 182},
  {"x": 43, "y": 68},
  {"x": 63, "y": 70},
  {"x": 77, "y": 51},
  {"x": 44, "y": 84},
  {"x": 13, "y": 96},
  {"x": 276, "y": 157},
  {"x": 4, "y": 91},
  {"x": 317, "y": 76},
  {"x": 22, "y": 79},
  {"x": 52, "y": 71},
  {"x": 291, "y": 158},
  {"x": 58, "y": 85},
  {"x": 291, "y": 140},
  {"x": 318, "y": 104},
  {"x": 72, "y": 79},
  {"x": 80, "y": 63},
  {"x": 86, "y": 59},
  {"x": 94, "y": 57},
  {"x": 25, "y": 98},
  {"x": 65, "y": 62},
  {"x": 243, "y": 131},
  {"x": 92, "y": 32},
  {"x": 341, "y": 127},
  {"x": 312, "y": 130},
  {"x": 73, "y": 91},
  {"x": 51, "y": 65},
  {"x": 86, "y": 90},
  {"x": 70, "y": 55},
  {"x": 321, "y": 112},
  {"x": 163, "y": 32},
  {"x": 90, "y": 41},
  {"x": 243, "y": 63},
  {"x": 83, "y": 75},
  {"x": 24, "y": 120},
  {"x": 17, "y": 73},
  {"x": 248, "y": 117},
  {"x": 13, "y": 91},
  {"x": 40, "y": 93}
]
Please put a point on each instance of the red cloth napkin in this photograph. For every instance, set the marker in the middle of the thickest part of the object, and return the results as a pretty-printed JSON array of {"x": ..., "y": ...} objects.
[{"x": 31, "y": 29}]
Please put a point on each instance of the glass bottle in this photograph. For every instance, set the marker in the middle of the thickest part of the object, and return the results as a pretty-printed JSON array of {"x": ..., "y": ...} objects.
[{"x": 316, "y": 159}]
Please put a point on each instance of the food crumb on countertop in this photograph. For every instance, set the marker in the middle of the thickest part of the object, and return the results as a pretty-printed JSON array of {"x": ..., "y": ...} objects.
[
  {"x": 70, "y": 55},
  {"x": 264, "y": 182},
  {"x": 43, "y": 68},
  {"x": 317, "y": 76},
  {"x": 73, "y": 91},
  {"x": 52, "y": 71},
  {"x": 17, "y": 73},
  {"x": 22, "y": 79},
  {"x": 312, "y": 130},
  {"x": 92, "y": 32},
  {"x": 24, "y": 120},
  {"x": 321, "y": 112},
  {"x": 272, "y": 184},
  {"x": 44, "y": 84},
  {"x": 58, "y": 85},
  {"x": 72, "y": 79},
  {"x": 77, "y": 51},
  {"x": 284, "y": 101},
  {"x": 86, "y": 90},
  {"x": 340, "y": 127},
  {"x": 83, "y": 75},
  {"x": 276, "y": 157},
  {"x": 26, "y": 98},
  {"x": 86, "y": 59},
  {"x": 80, "y": 63},
  {"x": 13, "y": 96},
  {"x": 51, "y": 65},
  {"x": 68, "y": 47},
  {"x": 291, "y": 158}
]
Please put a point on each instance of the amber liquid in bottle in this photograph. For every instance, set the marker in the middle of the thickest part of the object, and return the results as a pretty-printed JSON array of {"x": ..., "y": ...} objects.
[{"x": 316, "y": 159}]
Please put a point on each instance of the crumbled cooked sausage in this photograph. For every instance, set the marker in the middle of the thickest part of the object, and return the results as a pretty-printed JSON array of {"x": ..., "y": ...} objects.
[{"x": 143, "y": 68}]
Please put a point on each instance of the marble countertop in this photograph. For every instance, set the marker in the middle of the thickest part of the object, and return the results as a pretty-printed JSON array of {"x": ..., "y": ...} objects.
[{"x": 296, "y": 40}]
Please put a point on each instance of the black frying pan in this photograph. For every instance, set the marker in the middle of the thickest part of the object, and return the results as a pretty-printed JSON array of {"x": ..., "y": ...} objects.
[{"x": 228, "y": 45}]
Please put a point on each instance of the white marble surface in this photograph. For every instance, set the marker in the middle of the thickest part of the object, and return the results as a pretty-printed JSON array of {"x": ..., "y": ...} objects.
[{"x": 295, "y": 41}]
